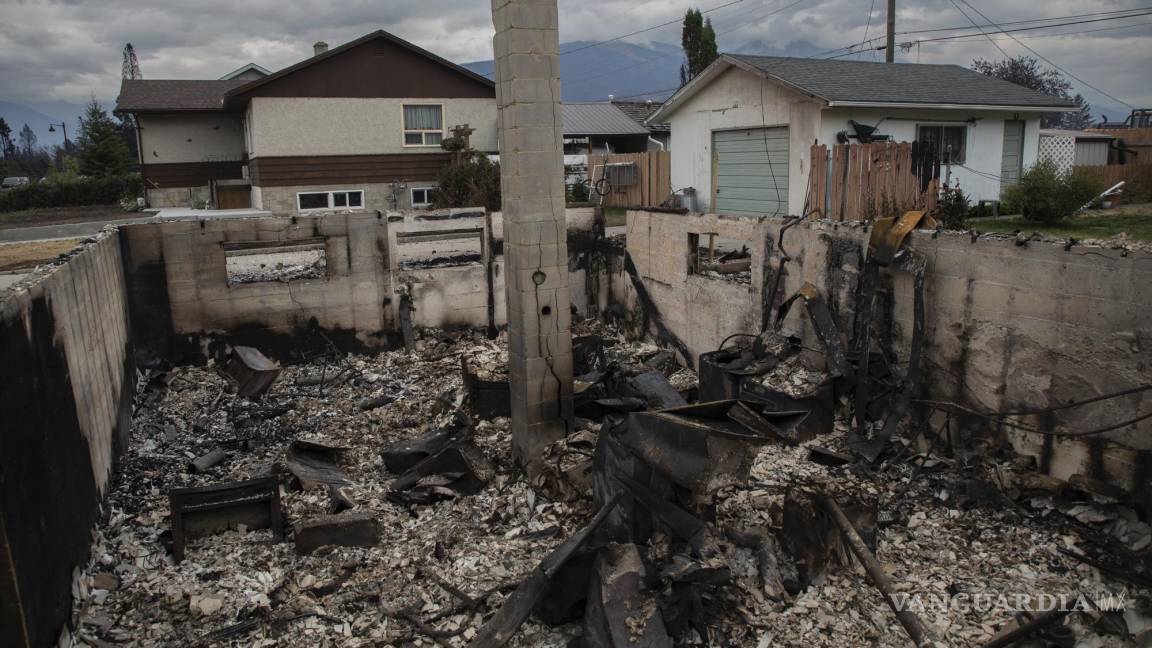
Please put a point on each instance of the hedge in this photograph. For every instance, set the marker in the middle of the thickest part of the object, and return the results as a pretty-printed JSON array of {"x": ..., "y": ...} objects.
[{"x": 72, "y": 192}]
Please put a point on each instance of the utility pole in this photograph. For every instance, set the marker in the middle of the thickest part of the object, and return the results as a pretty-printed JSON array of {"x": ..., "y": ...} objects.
[{"x": 890, "y": 47}]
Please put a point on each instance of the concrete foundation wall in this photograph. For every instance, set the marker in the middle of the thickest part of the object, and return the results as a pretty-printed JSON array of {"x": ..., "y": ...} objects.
[
  {"x": 194, "y": 197},
  {"x": 66, "y": 386},
  {"x": 1008, "y": 327}
]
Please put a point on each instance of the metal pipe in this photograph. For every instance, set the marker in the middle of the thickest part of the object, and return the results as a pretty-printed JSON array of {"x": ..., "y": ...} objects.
[{"x": 912, "y": 623}]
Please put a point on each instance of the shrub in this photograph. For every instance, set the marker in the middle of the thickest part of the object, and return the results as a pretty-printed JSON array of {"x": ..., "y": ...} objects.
[
  {"x": 471, "y": 180},
  {"x": 953, "y": 209},
  {"x": 70, "y": 191},
  {"x": 1048, "y": 195}
]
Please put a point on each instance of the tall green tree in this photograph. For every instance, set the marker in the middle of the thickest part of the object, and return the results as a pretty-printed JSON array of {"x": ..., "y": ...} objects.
[
  {"x": 27, "y": 141},
  {"x": 102, "y": 148},
  {"x": 7, "y": 146},
  {"x": 1027, "y": 71},
  {"x": 699, "y": 42}
]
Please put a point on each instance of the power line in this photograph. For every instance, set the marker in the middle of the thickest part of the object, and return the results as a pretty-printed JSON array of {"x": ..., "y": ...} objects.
[
  {"x": 1071, "y": 33},
  {"x": 868, "y": 25},
  {"x": 969, "y": 18},
  {"x": 981, "y": 34},
  {"x": 1047, "y": 60},
  {"x": 1129, "y": 13}
]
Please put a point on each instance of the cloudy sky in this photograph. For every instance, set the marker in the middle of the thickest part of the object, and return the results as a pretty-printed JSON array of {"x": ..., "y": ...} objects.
[{"x": 55, "y": 53}]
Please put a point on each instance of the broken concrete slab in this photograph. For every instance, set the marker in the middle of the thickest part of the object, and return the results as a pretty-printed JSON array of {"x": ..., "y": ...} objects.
[{"x": 359, "y": 529}]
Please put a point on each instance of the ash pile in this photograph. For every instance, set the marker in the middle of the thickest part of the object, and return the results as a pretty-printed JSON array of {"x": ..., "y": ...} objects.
[{"x": 337, "y": 500}]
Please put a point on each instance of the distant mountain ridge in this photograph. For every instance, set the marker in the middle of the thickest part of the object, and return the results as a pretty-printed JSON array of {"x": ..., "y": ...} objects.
[
  {"x": 17, "y": 115},
  {"x": 591, "y": 71}
]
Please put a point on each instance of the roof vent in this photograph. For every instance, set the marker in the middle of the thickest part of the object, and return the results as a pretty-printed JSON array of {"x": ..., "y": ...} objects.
[{"x": 319, "y": 48}]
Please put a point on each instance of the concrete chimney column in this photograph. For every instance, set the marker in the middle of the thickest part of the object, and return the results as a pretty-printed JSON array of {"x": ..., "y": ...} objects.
[
  {"x": 531, "y": 125},
  {"x": 319, "y": 48}
]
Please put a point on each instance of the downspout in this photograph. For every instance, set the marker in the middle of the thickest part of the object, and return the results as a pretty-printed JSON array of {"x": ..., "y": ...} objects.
[{"x": 657, "y": 142}]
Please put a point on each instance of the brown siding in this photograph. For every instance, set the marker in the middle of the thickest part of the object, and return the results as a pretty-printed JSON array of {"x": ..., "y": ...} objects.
[
  {"x": 344, "y": 169},
  {"x": 190, "y": 174},
  {"x": 378, "y": 68}
]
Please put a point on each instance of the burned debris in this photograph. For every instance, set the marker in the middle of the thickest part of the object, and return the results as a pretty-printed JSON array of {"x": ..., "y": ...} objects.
[{"x": 362, "y": 500}]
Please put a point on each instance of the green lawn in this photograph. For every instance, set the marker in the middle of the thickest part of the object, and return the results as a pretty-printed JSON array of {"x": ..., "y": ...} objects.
[{"x": 1137, "y": 223}]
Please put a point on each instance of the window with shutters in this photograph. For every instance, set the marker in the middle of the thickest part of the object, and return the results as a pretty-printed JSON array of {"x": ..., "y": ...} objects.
[{"x": 423, "y": 125}]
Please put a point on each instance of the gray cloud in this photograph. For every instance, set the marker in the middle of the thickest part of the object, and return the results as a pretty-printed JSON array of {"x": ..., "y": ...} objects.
[{"x": 67, "y": 51}]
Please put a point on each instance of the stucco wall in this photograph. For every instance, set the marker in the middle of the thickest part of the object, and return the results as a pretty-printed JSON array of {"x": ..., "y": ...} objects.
[
  {"x": 178, "y": 138},
  {"x": 985, "y": 143},
  {"x": 1008, "y": 327},
  {"x": 281, "y": 201},
  {"x": 341, "y": 126},
  {"x": 66, "y": 383},
  {"x": 734, "y": 100}
]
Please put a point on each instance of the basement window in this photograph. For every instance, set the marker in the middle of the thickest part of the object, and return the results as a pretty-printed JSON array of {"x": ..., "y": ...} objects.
[
  {"x": 423, "y": 125},
  {"x": 948, "y": 143},
  {"x": 724, "y": 259},
  {"x": 320, "y": 200},
  {"x": 440, "y": 248},
  {"x": 283, "y": 261},
  {"x": 422, "y": 196}
]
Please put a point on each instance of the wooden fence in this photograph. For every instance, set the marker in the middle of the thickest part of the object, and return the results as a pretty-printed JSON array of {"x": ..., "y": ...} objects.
[
  {"x": 653, "y": 178},
  {"x": 865, "y": 181},
  {"x": 1136, "y": 141},
  {"x": 1137, "y": 179}
]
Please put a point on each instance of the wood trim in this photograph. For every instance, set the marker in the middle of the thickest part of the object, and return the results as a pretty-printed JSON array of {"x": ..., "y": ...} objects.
[
  {"x": 294, "y": 171},
  {"x": 189, "y": 174}
]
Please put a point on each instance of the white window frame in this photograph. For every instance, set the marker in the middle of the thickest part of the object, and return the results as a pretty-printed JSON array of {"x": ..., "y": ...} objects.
[
  {"x": 428, "y": 196},
  {"x": 967, "y": 132},
  {"x": 404, "y": 130},
  {"x": 331, "y": 200}
]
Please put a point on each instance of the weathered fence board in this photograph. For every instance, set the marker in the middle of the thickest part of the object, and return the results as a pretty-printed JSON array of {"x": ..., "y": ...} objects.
[
  {"x": 1137, "y": 179},
  {"x": 653, "y": 184},
  {"x": 863, "y": 181}
]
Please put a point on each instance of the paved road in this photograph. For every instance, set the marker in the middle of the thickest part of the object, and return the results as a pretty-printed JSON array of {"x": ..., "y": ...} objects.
[{"x": 65, "y": 230}]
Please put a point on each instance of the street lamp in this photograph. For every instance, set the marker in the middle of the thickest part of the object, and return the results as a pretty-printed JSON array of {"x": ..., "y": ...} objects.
[{"x": 64, "y": 127}]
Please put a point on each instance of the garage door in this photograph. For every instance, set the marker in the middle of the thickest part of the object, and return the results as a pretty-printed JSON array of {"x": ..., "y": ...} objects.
[{"x": 750, "y": 171}]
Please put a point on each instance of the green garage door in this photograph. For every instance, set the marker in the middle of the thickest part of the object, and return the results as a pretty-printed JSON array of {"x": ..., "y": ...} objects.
[{"x": 750, "y": 171}]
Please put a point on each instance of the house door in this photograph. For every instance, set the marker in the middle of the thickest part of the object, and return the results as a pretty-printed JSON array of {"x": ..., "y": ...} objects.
[
  {"x": 1012, "y": 160},
  {"x": 750, "y": 171},
  {"x": 233, "y": 197}
]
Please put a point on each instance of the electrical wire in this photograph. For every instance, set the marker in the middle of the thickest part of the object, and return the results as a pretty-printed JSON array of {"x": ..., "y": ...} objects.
[
  {"x": 1129, "y": 13},
  {"x": 965, "y": 14},
  {"x": 1071, "y": 33},
  {"x": 1047, "y": 60},
  {"x": 868, "y": 25},
  {"x": 641, "y": 31}
]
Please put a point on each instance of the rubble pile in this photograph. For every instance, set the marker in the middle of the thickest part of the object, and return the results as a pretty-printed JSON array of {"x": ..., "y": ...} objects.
[{"x": 279, "y": 266}]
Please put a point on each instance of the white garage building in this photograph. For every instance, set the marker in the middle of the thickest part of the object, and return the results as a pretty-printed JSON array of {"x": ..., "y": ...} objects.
[{"x": 742, "y": 130}]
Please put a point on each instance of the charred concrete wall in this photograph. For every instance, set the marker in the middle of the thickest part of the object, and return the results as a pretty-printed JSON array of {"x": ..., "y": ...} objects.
[
  {"x": 1008, "y": 327},
  {"x": 446, "y": 264},
  {"x": 66, "y": 387}
]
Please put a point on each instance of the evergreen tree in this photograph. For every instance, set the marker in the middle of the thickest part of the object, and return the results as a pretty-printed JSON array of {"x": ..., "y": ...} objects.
[
  {"x": 1026, "y": 71},
  {"x": 27, "y": 141},
  {"x": 7, "y": 146},
  {"x": 698, "y": 39},
  {"x": 1080, "y": 119},
  {"x": 102, "y": 150}
]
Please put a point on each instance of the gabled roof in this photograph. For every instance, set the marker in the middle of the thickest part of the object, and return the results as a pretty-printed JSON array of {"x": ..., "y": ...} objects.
[
  {"x": 599, "y": 118},
  {"x": 210, "y": 96},
  {"x": 173, "y": 95},
  {"x": 380, "y": 33},
  {"x": 864, "y": 83},
  {"x": 640, "y": 111},
  {"x": 251, "y": 67}
]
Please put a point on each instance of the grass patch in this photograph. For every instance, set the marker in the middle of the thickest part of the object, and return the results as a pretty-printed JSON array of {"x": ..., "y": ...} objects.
[
  {"x": 1136, "y": 224},
  {"x": 615, "y": 216},
  {"x": 14, "y": 256},
  {"x": 61, "y": 215}
]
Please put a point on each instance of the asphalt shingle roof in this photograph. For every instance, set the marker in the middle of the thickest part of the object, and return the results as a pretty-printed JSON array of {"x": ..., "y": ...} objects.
[
  {"x": 864, "y": 81},
  {"x": 640, "y": 111},
  {"x": 599, "y": 119},
  {"x": 143, "y": 95}
]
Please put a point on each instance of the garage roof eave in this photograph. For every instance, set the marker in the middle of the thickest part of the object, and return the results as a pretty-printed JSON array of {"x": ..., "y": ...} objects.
[{"x": 955, "y": 106}]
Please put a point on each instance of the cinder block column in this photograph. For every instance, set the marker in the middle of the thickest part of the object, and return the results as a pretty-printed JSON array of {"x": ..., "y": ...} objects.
[{"x": 527, "y": 47}]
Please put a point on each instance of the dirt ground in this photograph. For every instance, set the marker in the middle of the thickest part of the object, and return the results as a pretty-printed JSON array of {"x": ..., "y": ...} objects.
[{"x": 16, "y": 256}]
